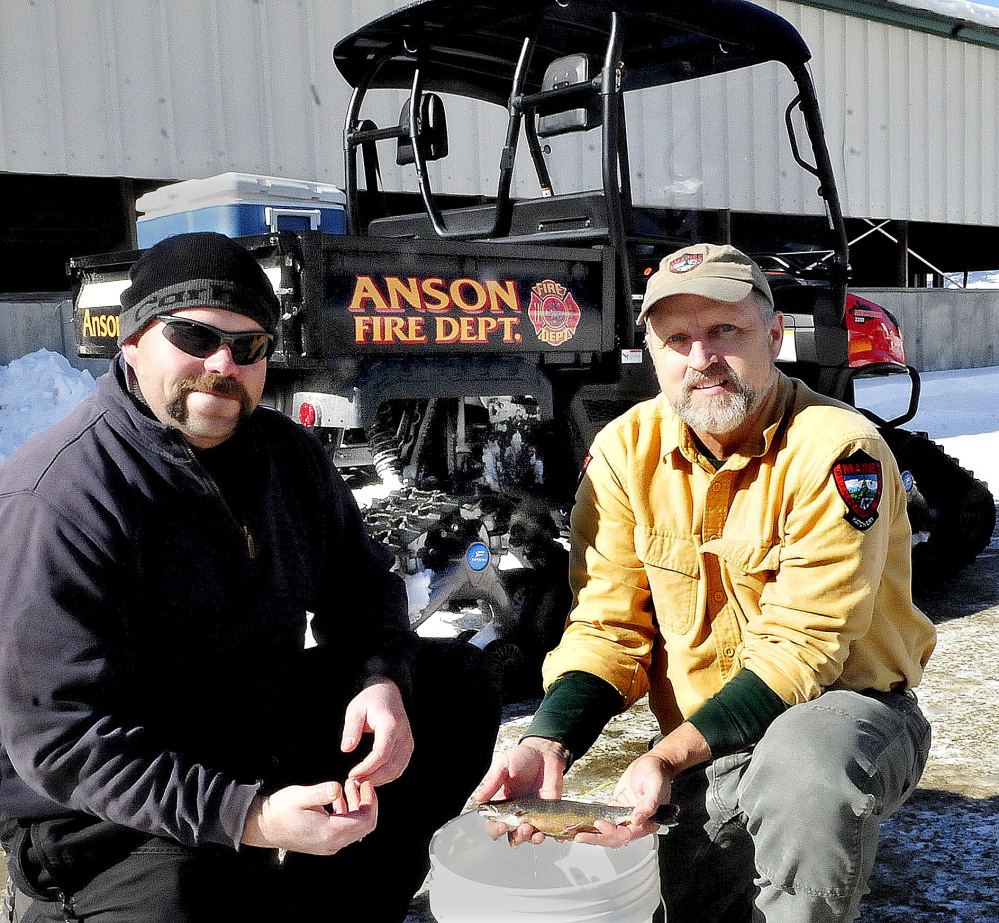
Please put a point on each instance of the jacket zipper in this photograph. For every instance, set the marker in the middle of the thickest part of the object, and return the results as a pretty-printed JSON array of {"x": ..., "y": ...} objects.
[{"x": 251, "y": 545}]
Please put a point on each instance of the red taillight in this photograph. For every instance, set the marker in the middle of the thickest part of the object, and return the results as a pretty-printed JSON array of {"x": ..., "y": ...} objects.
[
  {"x": 307, "y": 415},
  {"x": 874, "y": 336}
]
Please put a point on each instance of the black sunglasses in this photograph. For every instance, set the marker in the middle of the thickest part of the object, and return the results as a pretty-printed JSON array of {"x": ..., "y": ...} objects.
[{"x": 203, "y": 340}]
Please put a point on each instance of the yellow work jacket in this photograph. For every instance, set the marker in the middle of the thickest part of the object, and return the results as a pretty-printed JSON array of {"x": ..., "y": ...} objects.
[{"x": 683, "y": 575}]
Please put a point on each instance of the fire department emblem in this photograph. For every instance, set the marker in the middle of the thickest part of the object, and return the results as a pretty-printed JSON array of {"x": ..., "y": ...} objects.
[
  {"x": 859, "y": 482},
  {"x": 554, "y": 312},
  {"x": 686, "y": 262}
]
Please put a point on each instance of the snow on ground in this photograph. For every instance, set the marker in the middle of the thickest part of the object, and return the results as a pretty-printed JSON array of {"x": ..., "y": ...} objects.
[{"x": 958, "y": 409}]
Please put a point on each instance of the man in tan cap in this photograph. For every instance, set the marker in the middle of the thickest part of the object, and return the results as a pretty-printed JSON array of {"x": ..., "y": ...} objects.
[{"x": 740, "y": 552}]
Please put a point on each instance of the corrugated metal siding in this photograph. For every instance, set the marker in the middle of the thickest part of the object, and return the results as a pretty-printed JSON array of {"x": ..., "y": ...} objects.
[
  {"x": 909, "y": 120},
  {"x": 172, "y": 88},
  {"x": 910, "y": 117},
  {"x": 187, "y": 88}
]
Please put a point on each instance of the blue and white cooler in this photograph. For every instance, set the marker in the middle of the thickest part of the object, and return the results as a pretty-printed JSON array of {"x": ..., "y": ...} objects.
[{"x": 239, "y": 204}]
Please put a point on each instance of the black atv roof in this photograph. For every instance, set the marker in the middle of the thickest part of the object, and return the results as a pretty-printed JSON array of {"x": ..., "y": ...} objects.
[{"x": 471, "y": 47}]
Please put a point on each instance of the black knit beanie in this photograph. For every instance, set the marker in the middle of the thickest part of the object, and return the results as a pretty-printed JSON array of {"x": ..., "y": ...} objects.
[{"x": 199, "y": 270}]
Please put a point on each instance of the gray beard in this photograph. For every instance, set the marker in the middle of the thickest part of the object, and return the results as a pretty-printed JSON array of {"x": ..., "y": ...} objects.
[{"x": 722, "y": 413}]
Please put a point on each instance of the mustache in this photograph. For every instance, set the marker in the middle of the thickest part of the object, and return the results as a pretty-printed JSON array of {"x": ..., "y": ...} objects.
[
  {"x": 208, "y": 384},
  {"x": 213, "y": 384},
  {"x": 693, "y": 377}
]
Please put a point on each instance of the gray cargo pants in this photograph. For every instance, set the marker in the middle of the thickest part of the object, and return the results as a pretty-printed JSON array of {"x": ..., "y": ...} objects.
[{"x": 787, "y": 831}]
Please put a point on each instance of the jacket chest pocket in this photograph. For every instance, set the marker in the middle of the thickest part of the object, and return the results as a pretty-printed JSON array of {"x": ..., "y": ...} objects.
[
  {"x": 750, "y": 565},
  {"x": 673, "y": 569}
]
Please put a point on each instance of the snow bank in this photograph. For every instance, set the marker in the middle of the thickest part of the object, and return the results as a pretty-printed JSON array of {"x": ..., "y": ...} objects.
[{"x": 36, "y": 391}]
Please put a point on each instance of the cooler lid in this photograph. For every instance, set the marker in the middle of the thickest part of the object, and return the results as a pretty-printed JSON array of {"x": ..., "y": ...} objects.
[{"x": 228, "y": 188}]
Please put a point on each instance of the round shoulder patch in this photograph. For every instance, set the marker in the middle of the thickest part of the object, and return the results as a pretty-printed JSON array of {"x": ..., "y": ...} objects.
[{"x": 859, "y": 482}]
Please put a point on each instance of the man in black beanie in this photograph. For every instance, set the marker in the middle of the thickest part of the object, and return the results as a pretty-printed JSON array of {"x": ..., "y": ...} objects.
[{"x": 172, "y": 749}]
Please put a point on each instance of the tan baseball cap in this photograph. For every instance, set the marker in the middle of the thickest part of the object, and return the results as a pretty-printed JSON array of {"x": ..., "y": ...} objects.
[{"x": 714, "y": 271}]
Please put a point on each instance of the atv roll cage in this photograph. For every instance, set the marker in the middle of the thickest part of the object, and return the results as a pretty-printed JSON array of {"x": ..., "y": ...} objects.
[
  {"x": 470, "y": 350},
  {"x": 561, "y": 67}
]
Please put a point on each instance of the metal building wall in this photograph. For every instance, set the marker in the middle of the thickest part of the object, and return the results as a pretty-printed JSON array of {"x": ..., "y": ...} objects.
[
  {"x": 910, "y": 117},
  {"x": 176, "y": 89},
  {"x": 173, "y": 88}
]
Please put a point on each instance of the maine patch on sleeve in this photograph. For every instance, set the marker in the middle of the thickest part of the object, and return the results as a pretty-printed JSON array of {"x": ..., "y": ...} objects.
[{"x": 859, "y": 481}]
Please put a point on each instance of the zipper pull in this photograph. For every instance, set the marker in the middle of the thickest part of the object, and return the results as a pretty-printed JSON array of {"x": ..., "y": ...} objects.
[{"x": 251, "y": 545}]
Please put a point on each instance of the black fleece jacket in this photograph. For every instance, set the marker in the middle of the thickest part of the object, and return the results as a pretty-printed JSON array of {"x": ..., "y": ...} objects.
[{"x": 153, "y": 669}]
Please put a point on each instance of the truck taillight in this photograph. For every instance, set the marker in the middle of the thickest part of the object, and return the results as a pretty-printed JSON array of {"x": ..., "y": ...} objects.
[{"x": 308, "y": 415}]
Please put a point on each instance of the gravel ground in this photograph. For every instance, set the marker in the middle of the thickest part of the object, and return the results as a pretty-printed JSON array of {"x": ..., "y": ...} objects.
[{"x": 939, "y": 854}]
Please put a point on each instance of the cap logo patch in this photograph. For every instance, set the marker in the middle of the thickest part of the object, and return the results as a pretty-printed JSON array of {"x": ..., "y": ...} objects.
[
  {"x": 859, "y": 482},
  {"x": 686, "y": 262}
]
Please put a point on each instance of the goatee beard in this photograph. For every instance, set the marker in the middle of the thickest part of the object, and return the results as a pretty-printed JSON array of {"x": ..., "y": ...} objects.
[
  {"x": 721, "y": 413},
  {"x": 210, "y": 384}
]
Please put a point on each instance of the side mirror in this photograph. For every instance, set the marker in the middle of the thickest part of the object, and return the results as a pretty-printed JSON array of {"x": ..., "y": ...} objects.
[
  {"x": 553, "y": 118},
  {"x": 431, "y": 131}
]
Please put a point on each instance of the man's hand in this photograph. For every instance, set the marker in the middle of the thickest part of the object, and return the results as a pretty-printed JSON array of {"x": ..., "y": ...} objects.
[
  {"x": 532, "y": 768},
  {"x": 644, "y": 786},
  {"x": 647, "y": 783},
  {"x": 378, "y": 709},
  {"x": 318, "y": 819}
]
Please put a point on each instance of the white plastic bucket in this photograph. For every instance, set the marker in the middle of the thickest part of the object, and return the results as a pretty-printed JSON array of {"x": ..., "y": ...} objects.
[{"x": 475, "y": 879}]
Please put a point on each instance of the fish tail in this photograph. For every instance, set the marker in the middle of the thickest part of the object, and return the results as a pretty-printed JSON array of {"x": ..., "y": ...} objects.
[{"x": 666, "y": 814}]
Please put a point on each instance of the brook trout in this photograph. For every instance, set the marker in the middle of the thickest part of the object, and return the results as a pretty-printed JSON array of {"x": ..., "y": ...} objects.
[{"x": 564, "y": 818}]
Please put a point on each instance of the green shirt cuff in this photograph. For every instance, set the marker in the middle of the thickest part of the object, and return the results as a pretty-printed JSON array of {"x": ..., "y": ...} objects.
[
  {"x": 574, "y": 711},
  {"x": 737, "y": 715}
]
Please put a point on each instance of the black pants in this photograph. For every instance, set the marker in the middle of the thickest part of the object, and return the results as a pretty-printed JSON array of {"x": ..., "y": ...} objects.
[{"x": 455, "y": 717}]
